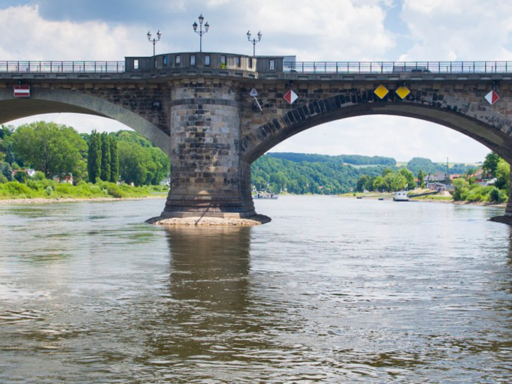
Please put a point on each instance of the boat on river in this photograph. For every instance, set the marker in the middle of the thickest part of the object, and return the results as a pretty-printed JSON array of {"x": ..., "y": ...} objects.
[
  {"x": 265, "y": 195},
  {"x": 401, "y": 196}
]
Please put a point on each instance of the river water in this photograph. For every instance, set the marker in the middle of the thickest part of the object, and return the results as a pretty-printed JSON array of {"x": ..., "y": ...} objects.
[{"x": 333, "y": 290}]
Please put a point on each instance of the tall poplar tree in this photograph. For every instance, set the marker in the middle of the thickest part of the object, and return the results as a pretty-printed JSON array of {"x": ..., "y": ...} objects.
[
  {"x": 94, "y": 157},
  {"x": 105, "y": 157},
  {"x": 9, "y": 155},
  {"x": 114, "y": 160}
]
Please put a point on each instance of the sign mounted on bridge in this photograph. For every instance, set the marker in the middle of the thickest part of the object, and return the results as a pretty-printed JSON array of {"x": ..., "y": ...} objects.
[
  {"x": 254, "y": 92},
  {"x": 22, "y": 90},
  {"x": 492, "y": 97},
  {"x": 381, "y": 91},
  {"x": 290, "y": 96},
  {"x": 402, "y": 92}
]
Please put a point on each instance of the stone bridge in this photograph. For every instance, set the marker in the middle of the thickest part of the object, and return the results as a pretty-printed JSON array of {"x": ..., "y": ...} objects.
[{"x": 198, "y": 108}]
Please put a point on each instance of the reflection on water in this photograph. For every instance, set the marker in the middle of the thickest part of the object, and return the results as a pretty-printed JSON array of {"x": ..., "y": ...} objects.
[{"x": 332, "y": 290}]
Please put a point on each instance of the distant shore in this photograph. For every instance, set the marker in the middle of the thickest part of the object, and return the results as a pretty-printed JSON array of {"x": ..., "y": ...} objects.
[
  {"x": 75, "y": 200},
  {"x": 440, "y": 199}
]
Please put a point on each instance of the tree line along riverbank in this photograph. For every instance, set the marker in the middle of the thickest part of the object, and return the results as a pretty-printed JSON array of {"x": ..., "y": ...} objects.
[
  {"x": 36, "y": 159},
  {"x": 49, "y": 161}
]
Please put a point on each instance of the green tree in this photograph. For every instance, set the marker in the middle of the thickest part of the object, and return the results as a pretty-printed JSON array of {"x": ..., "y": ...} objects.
[
  {"x": 387, "y": 180},
  {"x": 398, "y": 182},
  {"x": 386, "y": 172},
  {"x": 94, "y": 157},
  {"x": 48, "y": 147},
  {"x": 361, "y": 183},
  {"x": 379, "y": 184},
  {"x": 421, "y": 179},
  {"x": 409, "y": 178},
  {"x": 162, "y": 163},
  {"x": 9, "y": 154},
  {"x": 21, "y": 176},
  {"x": 135, "y": 164},
  {"x": 105, "y": 174},
  {"x": 497, "y": 195},
  {"x": 468, "y": 175},
  {"x": 491, "y": 162},
  {"x": 6, "y": 171},
  {"x": 114, "y": 160},
  {"x": 461, "y": 189},
  {"x": 503, "y": 175}
]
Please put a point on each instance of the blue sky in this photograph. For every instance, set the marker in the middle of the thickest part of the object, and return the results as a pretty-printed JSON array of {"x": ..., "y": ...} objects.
[{"x": 353, "y": 30}]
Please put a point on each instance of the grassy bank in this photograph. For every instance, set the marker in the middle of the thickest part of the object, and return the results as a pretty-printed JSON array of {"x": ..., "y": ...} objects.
[{"x": 49, "y": 189}]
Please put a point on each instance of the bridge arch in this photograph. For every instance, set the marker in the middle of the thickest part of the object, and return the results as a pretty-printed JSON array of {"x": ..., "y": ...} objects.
[
  {"x": 64, "y": 101},
  {"x": 489, "y": 128}
]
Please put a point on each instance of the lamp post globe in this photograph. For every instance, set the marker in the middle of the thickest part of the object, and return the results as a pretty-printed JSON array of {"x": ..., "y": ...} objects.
[
  {"x": 254, "y": 41},
  {"x": 201, "y": 32},
  {"x": 154, "y": 40}
]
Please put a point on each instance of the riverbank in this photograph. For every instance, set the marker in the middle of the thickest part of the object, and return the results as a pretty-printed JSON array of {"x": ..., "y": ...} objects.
[
  {"x": 21, "y": 201},
  {"x": 444, "y": 198}
]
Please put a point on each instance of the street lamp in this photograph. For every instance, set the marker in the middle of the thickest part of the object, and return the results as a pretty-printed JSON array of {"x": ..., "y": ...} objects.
[
  {"x": 201, "y": 32},
  {"x": 253, "y": 41},
  {"x": 154, "y": 40}
]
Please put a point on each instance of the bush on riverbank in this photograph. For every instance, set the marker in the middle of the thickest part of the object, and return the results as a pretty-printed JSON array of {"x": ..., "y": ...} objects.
[
  {"x": 477, "y": 193},
  {"x": 54, "y": 190}
]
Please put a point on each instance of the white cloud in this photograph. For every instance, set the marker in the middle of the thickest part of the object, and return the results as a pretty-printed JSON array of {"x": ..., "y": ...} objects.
[
  {"x": 398, "y": 137},
  {"x": 327, "y": 30},
  {"x": 458, "y": 29},
  {"x": 27, "y": 36}
]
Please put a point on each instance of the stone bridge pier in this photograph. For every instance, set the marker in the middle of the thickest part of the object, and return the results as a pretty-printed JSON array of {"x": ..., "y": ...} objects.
[{"x": 209, "y": 178}]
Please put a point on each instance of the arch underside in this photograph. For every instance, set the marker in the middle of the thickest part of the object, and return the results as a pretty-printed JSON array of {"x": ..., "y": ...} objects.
[
  {"x": 61, "y": 101},
  {"x": 490, "y": 136}
]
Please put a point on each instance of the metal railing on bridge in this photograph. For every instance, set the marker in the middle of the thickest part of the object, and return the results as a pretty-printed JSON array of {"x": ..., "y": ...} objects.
[
  {"x": 398, "y": 67},
  {"x": 62, "y": 66},
  {"x": 306, "y": 67}
]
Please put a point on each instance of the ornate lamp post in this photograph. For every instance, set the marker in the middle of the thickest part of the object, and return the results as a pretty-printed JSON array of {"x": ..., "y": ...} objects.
[
  {"x": 154, "y": 40},
  {"x": 201, "y": 32},
  {"x": 254, "y": 41}
]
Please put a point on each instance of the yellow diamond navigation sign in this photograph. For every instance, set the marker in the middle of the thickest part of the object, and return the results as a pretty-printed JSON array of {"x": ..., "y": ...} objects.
[
  {"x": 402, "y": 92},
  {"x": 381, "y": 91}
]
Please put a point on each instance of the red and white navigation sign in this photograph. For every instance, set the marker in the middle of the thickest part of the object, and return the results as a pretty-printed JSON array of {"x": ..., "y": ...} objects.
[
  {"x": 492, "y": 97},
  {"x": 290, "y": 96},
  {"x": 22, "y": 90}
]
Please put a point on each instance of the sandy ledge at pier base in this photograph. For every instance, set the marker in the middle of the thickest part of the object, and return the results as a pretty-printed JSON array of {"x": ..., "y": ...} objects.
[
  {"x": 209, "y": 221},
  {"x": 502, "y": 219}
]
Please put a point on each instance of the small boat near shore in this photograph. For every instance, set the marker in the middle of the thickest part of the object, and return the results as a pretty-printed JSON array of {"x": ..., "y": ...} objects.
[
  {"x": 401, "y": 196},
  {"x": 265, "y": 195}
]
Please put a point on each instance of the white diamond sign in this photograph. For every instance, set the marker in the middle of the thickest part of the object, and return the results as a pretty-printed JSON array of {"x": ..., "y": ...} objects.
[
  {"x": 290, "y": 96},
  {"x": 492, "y": 97}
]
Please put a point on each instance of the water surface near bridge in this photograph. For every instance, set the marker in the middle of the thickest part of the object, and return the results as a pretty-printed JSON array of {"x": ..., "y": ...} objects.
[{"x": 332, "y": 290}]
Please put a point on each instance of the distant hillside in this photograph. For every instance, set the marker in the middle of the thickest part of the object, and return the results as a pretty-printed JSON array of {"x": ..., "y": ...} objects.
[
  {"x": 343, "y": 159},
  {"x": 302, "y": 173},
  {"x": 327, "y": 176},
  {"x": 427, "y": 166}
]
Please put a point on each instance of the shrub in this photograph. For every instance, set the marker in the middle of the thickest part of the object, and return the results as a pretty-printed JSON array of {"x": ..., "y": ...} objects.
[
  {"x": 21, "y": 176},
  {"x": 48, "y": 191},
  {"x": 17, "y": 189},
  {"x": 39, "y": 176},
  {"x": 115, "y": 191},
  {"x": 497, "y": 195},
  {"x": 3, "y": 179}
]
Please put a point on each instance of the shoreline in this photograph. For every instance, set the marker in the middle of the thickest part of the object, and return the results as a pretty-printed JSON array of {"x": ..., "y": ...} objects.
[
  {"x": 477, "y": 203},
  {"x": 40, "y": 200}
]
